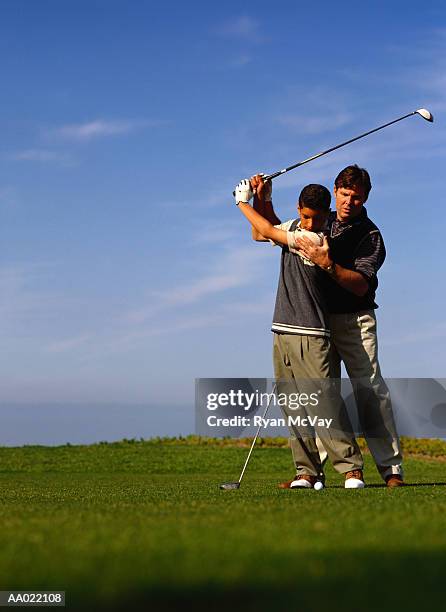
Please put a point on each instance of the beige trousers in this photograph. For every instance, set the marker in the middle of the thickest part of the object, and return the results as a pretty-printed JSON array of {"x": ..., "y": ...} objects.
[
  {"x": 302, "y": 365},
  {"x": 354, "y": 341}
]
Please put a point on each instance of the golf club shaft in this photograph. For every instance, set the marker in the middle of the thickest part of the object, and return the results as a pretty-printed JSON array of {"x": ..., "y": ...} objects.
[
  {"x": 305, "y": 161},
  {"x": 257, "y": 434},
  {"x": 343, "y": 144}
]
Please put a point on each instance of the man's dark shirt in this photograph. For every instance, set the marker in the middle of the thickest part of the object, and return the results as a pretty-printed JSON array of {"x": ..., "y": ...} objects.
[{"x": 355, "y": 245}]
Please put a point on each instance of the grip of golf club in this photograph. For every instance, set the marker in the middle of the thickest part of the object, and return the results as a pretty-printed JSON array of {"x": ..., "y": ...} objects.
[{"x": 267, "y": 177}]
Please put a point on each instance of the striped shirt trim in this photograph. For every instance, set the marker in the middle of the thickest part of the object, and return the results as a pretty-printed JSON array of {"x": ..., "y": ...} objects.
[{"x": 300, "y": 331}]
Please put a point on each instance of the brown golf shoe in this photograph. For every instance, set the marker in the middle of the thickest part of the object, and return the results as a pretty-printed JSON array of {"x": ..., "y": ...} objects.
[
  {"x": 307, "y": 477},
  {"x": 394, "y": 480},
  {"x": 303, "y": 481},
  {"x": 287, "y": 484}
]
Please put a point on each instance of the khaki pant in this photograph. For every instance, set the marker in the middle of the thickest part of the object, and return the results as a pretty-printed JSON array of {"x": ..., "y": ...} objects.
[
  {"x": 302, "y": 365},
  {"x": 354, "y": 341}
]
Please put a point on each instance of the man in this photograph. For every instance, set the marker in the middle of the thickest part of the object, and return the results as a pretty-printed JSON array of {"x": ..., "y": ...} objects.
[
  {"x": 351, "y": 257},
  {"x": 301, "y": 336}
]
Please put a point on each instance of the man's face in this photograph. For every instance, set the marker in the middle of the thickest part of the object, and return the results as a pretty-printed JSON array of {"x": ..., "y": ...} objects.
[
  {"x": 312, "y": 220},
  {"x": 349, "y": 202}
]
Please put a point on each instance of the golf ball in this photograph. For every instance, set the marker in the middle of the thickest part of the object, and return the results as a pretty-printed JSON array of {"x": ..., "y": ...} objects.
[{"x": 318, "y": 486}]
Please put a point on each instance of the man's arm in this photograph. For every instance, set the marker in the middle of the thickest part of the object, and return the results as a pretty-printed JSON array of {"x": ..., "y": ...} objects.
[
  {"x": 351, "y": 280},
  {"x": 263, "y": 205},
  {"x": 348, "y": 279}
]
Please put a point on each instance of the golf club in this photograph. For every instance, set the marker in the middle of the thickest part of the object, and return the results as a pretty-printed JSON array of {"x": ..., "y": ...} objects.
[
  {"x": 228, "y": 486},
  {"x": 423, "y": 112}
]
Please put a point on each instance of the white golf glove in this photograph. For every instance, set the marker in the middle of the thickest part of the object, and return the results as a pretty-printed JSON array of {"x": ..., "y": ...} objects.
[{"x": 243, "y": 192}]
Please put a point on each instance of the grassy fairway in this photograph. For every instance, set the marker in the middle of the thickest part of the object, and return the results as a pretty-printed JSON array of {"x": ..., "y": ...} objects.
[{"x": 146, "y": 523}]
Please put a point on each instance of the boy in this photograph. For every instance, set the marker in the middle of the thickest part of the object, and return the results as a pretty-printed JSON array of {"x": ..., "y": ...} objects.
[{"x": 302, "y": 335}]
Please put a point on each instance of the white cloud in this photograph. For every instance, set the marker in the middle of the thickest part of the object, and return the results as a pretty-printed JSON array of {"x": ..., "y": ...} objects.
[
  {"x": 221, "y": 315},
  {"x": 323, "y": 170},
  {"x": 68, "y": 344},
  {"x": 429, "y": 333},
  {"x": 41, "y": 155},
  {"x": 241, "y": 60},
  {"x": 218, "y": 232},
  {"x": 236, "y": 268},
  {"x": 33, "y": 313},
  {"x": 20, "y": 301},
  {"x": 98, "y": 128},
  {"x": 28, "y": 311},
  {"x": 422, "y": 83},
  {"x": 8, "y": 197},
  {"x": 314, "y": 124},
  {"x": 213, "y": 197},
  {"x": 241, "y": 27}
]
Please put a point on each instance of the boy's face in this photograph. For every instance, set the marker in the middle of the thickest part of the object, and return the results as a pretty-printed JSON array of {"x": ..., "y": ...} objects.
[{"x": 312, "y": 220}]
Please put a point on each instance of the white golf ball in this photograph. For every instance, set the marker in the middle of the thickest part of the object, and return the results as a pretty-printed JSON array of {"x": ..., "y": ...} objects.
[{"x": 318, "y": 486}]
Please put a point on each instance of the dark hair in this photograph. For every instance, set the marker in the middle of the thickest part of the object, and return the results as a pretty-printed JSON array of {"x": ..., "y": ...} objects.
[
  {"x": 354, "y": 176},
  {"x": 316, "y": 197}
]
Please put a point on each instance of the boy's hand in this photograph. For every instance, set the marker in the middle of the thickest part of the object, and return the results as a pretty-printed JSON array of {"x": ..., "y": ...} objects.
[{"x": 243, "y": 192}]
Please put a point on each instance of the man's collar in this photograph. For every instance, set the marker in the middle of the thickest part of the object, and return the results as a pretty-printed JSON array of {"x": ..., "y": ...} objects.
[{"x": 361, "y": 217}]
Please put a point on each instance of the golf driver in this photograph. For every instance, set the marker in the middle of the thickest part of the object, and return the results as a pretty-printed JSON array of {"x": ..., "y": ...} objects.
[
  {"x": 228, "y": 486},
  {"x": 423, "y": 112}
]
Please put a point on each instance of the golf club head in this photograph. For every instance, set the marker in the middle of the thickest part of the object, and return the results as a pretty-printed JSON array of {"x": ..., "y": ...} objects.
[
  {"x": 423, "y": 112},
  {"x": 229, "y": 486}
]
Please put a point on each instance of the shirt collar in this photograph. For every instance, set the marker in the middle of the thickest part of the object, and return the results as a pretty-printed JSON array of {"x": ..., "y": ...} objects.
[
  {"x": 323, "y": 230},
  {"x": 344, "y": 224}
]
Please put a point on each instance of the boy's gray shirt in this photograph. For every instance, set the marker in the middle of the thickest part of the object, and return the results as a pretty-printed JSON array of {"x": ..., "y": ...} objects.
[{"x": 300, "y": 301}]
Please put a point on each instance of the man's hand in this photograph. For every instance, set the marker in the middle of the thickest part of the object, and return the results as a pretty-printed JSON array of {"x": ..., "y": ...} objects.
[
  {"x": 262, "y": 189},
  {"x": 320, "y": 255},
  {"x": 243, "y": 192}
]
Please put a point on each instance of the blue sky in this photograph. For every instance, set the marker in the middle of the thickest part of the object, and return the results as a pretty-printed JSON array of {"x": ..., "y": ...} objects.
[{"x": 125, "y": 269}]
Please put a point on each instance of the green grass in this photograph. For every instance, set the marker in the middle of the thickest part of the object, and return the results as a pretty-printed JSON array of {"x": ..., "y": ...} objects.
[{"x": 144, "y": 525}]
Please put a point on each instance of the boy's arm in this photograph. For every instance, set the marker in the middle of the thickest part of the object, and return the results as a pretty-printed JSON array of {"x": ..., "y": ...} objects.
[{"x": 262, "y": 226}]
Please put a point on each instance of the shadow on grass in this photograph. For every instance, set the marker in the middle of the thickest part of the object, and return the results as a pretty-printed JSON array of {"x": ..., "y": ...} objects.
[{"x": 347, "y": 580}]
